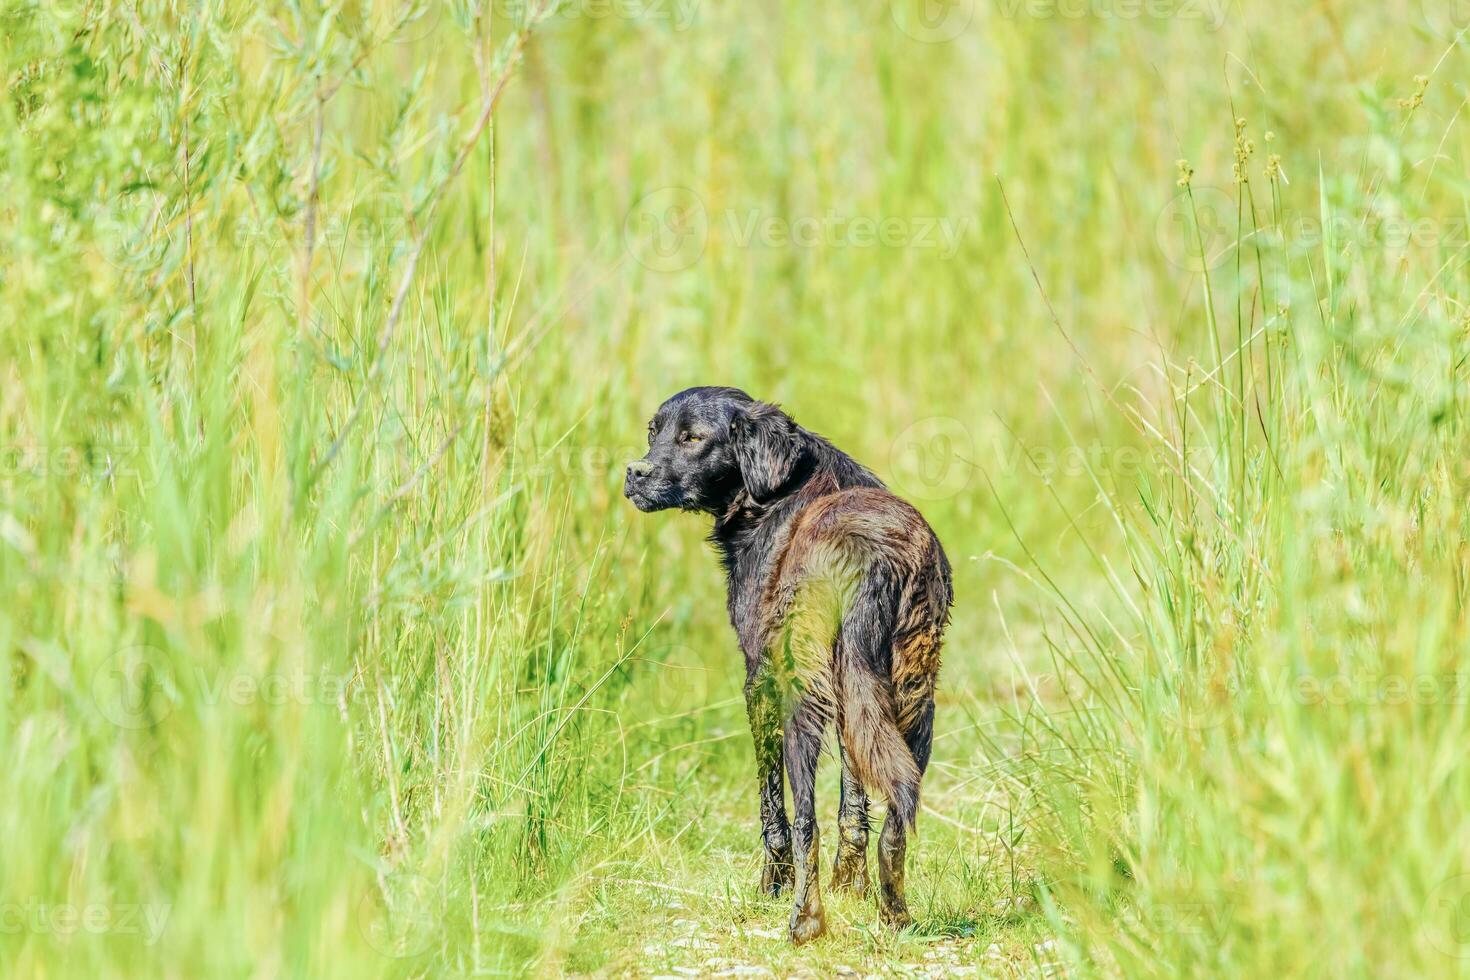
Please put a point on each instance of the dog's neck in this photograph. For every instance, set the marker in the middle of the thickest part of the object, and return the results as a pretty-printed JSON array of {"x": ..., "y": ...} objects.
[{"x": 746, "y": 529}]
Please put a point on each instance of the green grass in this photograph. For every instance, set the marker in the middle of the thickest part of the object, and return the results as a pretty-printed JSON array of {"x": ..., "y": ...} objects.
[{"x": 331, "y": 648}]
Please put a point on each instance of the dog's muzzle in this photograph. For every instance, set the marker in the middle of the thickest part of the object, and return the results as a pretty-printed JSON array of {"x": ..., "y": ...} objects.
[{"x": 635, "y": 484}]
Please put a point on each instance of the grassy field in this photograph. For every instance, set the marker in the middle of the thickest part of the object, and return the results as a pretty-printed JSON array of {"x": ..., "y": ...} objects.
[{"x": 330, "y": 647}]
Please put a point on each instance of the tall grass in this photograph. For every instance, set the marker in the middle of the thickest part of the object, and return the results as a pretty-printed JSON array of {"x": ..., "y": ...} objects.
[
  {"x": 330, "y": 647},
  {"x": 1256, "y": 772}
]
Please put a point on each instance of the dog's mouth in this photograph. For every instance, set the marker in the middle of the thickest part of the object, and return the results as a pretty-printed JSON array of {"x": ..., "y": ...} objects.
[{"x": 648, "y": 498}]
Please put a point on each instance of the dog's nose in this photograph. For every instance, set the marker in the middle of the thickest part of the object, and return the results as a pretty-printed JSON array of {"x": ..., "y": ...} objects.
[{"x": 638, "y": 470}]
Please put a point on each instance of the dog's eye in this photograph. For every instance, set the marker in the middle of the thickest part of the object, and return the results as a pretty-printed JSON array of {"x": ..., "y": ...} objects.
[{"x": 690, "y": 437}]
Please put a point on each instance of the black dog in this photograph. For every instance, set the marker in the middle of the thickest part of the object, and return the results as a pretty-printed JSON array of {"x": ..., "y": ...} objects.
[{"x": 840, "y": 594}]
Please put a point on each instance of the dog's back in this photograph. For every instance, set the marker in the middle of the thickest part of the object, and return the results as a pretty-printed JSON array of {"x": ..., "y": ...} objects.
[{"x": 855, "y": 610}]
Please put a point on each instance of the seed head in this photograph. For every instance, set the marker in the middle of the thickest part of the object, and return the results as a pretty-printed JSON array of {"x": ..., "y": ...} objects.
[
  {"x": 1244, "y": 147},
  {"x": 1421, "y": 85}
]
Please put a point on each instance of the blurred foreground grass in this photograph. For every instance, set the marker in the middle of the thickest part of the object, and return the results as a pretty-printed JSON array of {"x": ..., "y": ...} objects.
[{"x": 331, "y": 649}]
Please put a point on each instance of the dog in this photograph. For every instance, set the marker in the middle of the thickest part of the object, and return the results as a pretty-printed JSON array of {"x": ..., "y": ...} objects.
[{"x": 839, "y": 593}]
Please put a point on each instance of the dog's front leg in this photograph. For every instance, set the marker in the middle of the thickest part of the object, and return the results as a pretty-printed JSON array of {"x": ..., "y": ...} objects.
[
  {"x": 764, "y": 707},
  {"x": 803, "y": 744}
]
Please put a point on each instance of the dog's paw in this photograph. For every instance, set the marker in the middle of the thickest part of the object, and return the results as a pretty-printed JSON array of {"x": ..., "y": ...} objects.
[
  {"x": 806, "y": 925},
  {"x": 850, "y": 875},
  {"x": 778, "y": 876}
]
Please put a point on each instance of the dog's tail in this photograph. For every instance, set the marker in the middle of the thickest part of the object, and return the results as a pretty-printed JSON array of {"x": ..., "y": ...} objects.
[{"x": 867, "y": 714}]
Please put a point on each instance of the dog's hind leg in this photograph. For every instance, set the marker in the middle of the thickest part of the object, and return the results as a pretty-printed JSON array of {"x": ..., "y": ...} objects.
[
  {"x": 887, "y": 656},
  {"x": 915, "y": 667},
  {"x": 803, "y": 745},
  {"x": 892, "y": 847},
  {"x": 763, "y": 705},
  {"x": 892, "y": 842},
  {"x": 850, "y": 871}
]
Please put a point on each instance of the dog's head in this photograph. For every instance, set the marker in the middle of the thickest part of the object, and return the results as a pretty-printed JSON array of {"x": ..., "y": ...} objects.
[{"x": 705, "y": 445}]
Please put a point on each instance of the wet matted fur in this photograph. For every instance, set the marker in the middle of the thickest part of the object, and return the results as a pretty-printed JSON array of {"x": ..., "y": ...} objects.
[{"x": 839, "y": 593}]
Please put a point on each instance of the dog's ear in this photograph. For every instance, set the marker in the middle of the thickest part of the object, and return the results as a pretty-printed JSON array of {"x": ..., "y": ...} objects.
[{"x": 768, "y": 447}]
